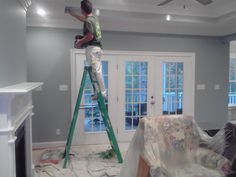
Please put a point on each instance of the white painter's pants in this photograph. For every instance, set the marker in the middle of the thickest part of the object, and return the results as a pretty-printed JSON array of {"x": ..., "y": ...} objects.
[{"x": 93, "y": 59}]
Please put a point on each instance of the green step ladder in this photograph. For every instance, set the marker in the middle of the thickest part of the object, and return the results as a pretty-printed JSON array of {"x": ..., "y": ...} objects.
[{"x": 104, "y": 113}]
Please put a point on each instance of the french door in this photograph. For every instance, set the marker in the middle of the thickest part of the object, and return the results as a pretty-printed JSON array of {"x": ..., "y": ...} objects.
[
  {"x": 151, "y": 85},
  {"x": 139, "y": 84}
]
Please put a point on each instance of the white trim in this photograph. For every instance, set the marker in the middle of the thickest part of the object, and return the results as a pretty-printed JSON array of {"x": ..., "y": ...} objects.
[
  {"x": 22, "y": 117},
  {"x": 156, "y": 109},
  {"x": 7, "y": 130},
  {"x": 16, "y": 111},
  {"x": 12, "y": 141},
  {"x": 135, "y": 53},
  {"x": 188, "y": 58},
  {"x": 19, "y": 120},
  {"x": 232, "y": 55},
  {"x": 191, "y": 91},
  {"x": 231, "y": 107},
  {"x": 21, "y": 88},
  {"x": 73, "y": 75}
]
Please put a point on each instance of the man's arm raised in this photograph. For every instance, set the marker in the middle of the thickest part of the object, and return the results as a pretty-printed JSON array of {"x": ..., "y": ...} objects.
[{"x": 79, "y": 17}]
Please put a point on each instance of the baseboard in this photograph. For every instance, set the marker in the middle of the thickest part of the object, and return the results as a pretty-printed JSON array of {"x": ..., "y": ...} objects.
[{"x": 51, "y": 144}]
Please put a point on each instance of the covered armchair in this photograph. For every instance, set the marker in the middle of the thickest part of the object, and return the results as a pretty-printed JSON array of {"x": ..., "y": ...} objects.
[{"x": 169, "y": 146}]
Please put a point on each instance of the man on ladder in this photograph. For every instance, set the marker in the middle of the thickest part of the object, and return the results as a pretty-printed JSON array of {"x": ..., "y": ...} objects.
[{"x": 92, "y": 42}]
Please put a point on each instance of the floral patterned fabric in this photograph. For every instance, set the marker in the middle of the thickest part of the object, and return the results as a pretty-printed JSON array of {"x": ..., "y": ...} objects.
[{"x": 171, "y": 146}]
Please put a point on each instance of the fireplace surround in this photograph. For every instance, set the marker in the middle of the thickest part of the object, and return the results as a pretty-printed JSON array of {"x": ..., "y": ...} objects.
[
  {"x": 20, "y": 153},
  {"x": 16, "y": 111}
]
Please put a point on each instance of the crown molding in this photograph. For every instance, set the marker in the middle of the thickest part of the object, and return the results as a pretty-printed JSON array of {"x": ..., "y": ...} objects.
[{"x": 25, "y": 3}]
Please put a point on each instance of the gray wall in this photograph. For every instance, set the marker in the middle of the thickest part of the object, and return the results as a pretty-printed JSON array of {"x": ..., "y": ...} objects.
[
  {"x": 49, "y": 62},
  {"x": 13, "y": 66}
]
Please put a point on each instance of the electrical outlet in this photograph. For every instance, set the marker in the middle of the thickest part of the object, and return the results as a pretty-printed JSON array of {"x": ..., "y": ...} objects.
[
  {"x": 58, "y": 131},
  {"x": 217, "y": 86},
  {"x": 63, "y": 87},
  {"x": 201, "y": 87}
]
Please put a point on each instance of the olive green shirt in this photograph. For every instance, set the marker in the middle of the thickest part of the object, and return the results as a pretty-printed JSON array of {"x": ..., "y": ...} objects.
[{"x": 92, "y": 25}]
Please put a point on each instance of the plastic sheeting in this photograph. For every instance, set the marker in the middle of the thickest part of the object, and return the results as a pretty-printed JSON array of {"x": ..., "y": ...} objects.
[{"x": 175, "y": 146}]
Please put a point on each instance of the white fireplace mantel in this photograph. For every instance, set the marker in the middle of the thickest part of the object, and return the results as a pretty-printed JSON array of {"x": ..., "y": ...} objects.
[
  {"x": 16, "y": 109},
  {"x": 21, "y": 88}
]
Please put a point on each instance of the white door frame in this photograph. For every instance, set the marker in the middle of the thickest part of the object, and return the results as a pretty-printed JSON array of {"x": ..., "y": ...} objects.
[
  {"x": 80, "y": 136},
  {"x": 157, "y": 58},
  {"x": 189, "y": 90}
]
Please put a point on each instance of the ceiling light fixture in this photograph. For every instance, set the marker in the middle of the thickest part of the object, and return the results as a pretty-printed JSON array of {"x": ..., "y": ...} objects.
[
  {"x": 168, "y": 17},
  {"x": 41, "y": 12}
]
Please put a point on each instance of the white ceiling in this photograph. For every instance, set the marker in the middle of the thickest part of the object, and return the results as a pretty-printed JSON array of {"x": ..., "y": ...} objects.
[{"x": 216, "y": 19}]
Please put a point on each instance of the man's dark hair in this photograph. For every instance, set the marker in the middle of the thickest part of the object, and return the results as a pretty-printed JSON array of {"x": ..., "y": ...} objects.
[{"x": 86, "y": 6}]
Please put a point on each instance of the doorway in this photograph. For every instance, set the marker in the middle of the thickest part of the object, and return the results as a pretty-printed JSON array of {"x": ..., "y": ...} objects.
[{"x": 139, "y": 84}]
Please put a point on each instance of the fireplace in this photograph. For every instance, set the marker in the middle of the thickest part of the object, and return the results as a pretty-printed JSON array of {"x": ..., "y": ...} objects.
[
  {"x": 20, "y": 153},
  {"x": 16, "y": 111}
]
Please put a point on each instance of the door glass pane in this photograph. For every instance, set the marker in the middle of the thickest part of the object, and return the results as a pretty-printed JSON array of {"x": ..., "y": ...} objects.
[
  {"x": 172, "y": 96},
  {"x": 135, "y": 93},
  {"x": 232, "y": 82},
  {"x": 93, "y": 121}
]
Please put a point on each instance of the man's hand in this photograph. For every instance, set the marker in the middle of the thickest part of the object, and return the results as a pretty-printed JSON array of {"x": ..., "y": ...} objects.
[{"x": 88, "y": 37}]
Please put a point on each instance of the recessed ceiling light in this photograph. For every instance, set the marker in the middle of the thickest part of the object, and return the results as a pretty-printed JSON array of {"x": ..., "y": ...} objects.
[
  {"x": 168, "y": 17},
  {"x": 41, "y": 12}
]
